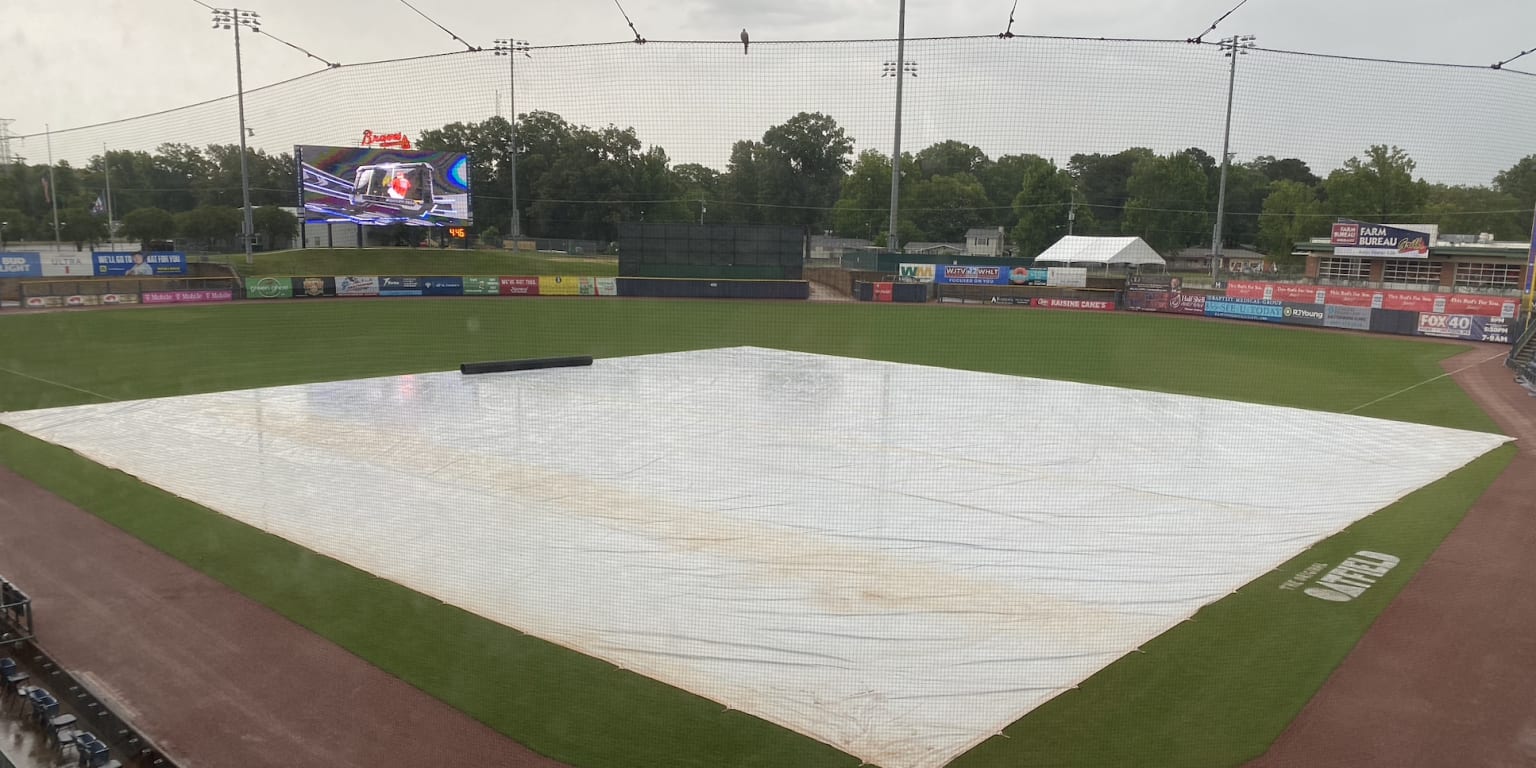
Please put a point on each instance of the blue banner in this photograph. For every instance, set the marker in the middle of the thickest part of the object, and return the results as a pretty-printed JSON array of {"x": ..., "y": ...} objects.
[
  {"x": 138, "y": 263},
  {"x": 1244, "y": 309},
  {"x": 961, "y": 275},
  {"x": 442, "y": 286},
  {"x": 17, "y": 264},
  {"x": 401, "y": 286}
]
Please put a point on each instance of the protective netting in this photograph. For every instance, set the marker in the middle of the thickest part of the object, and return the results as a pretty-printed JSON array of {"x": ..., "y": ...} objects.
[{"x": 1053, "y": 97}]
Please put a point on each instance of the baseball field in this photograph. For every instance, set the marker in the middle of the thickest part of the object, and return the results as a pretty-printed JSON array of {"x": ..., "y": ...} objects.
[{"x": 1214, "y": 690}]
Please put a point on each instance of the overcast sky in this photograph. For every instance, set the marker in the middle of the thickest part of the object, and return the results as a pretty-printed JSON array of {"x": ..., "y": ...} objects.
[{"x": 75, "y": 62}]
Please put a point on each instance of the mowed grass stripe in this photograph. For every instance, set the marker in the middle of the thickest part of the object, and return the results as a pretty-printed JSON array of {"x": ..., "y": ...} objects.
[{"x": 1211, "y": 691}]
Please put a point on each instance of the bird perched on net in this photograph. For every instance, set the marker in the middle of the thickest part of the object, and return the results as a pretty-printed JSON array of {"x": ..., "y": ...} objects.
[{"x": 744, "y": 41}]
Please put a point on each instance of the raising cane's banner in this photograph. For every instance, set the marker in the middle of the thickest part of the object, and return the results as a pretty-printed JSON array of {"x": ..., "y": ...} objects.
[
  {"x": 1373, "y": 298},
  {"x": 1357, "y": 238}
]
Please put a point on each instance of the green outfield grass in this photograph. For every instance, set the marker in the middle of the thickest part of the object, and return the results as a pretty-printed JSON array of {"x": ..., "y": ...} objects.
[
  {"x": 419, "y": 261},
  {"x": 1212, "y": 691}
]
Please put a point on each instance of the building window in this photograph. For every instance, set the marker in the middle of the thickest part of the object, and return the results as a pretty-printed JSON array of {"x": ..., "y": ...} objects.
[
  {"x": 1411, "y": 271},
  {"x": 1335, "y": 268},
  {"x": 1474, "y": 274}
]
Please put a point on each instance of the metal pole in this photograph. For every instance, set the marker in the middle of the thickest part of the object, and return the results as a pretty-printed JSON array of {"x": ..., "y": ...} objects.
[
  {"x": 1226, "y": 138},
  {"x": 106, "y": 169},
  {"x": 53, "y": 188},
  {"x": 245, "y": 174},
  {"x": 893, "y": 243},
  {"x": 517, "y": 219}
]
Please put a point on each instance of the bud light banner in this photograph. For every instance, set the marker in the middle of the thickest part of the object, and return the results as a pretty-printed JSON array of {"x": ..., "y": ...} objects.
[
  {"x": 947, "y": 274},
  {"x": 21, "y": 265},
  {"x": 1469, "y": 327},
  {"x": 1354, "y": 238},
  {"x": 139, "y": 263}
]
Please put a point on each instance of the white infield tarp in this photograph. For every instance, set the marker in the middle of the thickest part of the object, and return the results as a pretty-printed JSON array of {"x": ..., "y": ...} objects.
[{"x": 897, "y": 560}]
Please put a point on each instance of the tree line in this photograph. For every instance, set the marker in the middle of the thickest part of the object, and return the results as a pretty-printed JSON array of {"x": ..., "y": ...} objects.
[{"x": 576, "y": 181}]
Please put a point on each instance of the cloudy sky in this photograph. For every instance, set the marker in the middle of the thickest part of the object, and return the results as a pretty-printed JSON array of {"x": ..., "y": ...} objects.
[{"x": 70, "y": 63}]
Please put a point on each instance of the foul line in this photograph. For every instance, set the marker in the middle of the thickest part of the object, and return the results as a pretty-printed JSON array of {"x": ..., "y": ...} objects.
[
  {"x": 58, "y": 384},
  {"x": 1428, "y": 380}
]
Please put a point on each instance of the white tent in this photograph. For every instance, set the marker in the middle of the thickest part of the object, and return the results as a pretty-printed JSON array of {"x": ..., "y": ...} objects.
[{"x": 1080, "y": 249}]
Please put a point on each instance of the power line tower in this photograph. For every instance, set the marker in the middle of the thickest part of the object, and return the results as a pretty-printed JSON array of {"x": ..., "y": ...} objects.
[{"x": 6, "y": 158}]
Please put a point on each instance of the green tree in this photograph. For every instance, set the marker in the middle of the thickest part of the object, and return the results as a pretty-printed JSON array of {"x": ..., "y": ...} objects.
[
  {"x": 1103, "y": 181},
  {"x": 145, "y": 224},
  {"x": 78, "y": 226},
  {"x": 1003, "y": 180},
  {"x": 1291, "y": 215},
  {"x": 490, "y": 237},
  {"x": 1475, "y": 210},
  {"x": 793, "y": 175},
  {"x": 1379, "y": 188},
  {"x": 864, "y": 206},
  {"x": 1041, "y": 207},
  {"x": 274, "y": 225},
  {"x": 18, "y": 225},
  {"x": 948, "y": 158},
  {"x": 1287, "y": 169},
  {"x": 1519, "y": 181},
  {"x": 944, "y": 207},
  {"x": 1246, "y": 192},
  {"x": 210, "y": 224},
  {"x": 1167, "y": 202}
]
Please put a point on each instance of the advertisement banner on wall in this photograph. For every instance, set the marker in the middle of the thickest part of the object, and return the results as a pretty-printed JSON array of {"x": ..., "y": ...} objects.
[
  {"x": 1293, "y": 313},
  {"x": 949, "y": 274},
  {"x": 482, "y": 286},
  {"x": 1032, "y": 276},
  {"x": 586, "y": 286},
  {"x": 268, "y": 288},
  {"x": 1376, "y": 298},
  {"x": 1244, "y": 309},
  {"x": 352, "y": 285},
  {"x": 67, "y": 265},
  {"x": 138, "y": 263},
  {"x": 400, "y": 285},
  {"x": 920, "y": 273},
  {"x": 442, "y": 286},
  {"x": 1469, "y": 327},
  {"x": 559, "y": 286},
  {"x": 1352, "y": 318},
  {"x": 44, "y": 302},
  {"x": 186, "y": 297},
  {"x": 1067, "y": 277},
  {"x": 313, "y": 287},
  {"x": 607, "y": 286},
  {"x": 1097, "y": 305},
  {"x": 113, "y": 299},
  {"x": 883, "y": 292},
  {"x": 18, "y": 264},
  {"x": 1356, "y": 238},
  {"x": 518, "y": 286},
  {"x": 85, "y": 300}
]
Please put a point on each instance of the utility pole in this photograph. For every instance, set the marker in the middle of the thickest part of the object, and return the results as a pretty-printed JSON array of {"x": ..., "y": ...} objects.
[
  {"x": 510, "y": 48},
  {"x": 1234, "y": 46},
  {"x": 106, "y": 170},
  {"x": 897, "y": 71},
  {"x": 234, "y": 18}
]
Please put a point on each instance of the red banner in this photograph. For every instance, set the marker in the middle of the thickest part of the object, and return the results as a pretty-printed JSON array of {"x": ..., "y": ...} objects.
[
  {"x": 1096, "y": 305},
  {"x": 883, "y": 292},
  {"x": 519, "y": 286},
  {"x": 1375, "y": 298}
]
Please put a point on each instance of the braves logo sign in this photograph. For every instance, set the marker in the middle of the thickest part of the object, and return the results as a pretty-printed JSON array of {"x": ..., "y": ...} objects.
[{"x": 396, "y": 140}]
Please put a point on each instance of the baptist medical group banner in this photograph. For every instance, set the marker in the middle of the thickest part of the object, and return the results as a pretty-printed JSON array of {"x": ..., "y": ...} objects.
[{"x": 1374, "y": 298}]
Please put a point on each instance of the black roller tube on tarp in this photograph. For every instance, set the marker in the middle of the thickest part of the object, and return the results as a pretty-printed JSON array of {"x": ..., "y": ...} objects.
[{"x": 531, "y": 364}]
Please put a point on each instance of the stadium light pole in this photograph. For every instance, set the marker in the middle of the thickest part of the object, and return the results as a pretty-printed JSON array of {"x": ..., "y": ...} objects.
[
  {"x": 890, "y": 69},
  {"x": 1234, "y": 46},
  {"x": 234, "y": 18},
  {"x": 897, "y": 70},
  {"x": 509, "y": 48}
]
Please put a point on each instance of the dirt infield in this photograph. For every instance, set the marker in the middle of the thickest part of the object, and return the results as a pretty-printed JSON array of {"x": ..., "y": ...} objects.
[
  {"x": 1447, "y": 674},
  {"x": 213, "y": 678}
]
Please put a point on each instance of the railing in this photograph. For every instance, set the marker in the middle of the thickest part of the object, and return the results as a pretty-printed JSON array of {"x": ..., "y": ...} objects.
[{"x": 1523, "y": 331}]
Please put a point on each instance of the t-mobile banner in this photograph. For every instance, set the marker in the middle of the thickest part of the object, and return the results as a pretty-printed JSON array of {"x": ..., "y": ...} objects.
[{"x": 186, "y": 297}]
